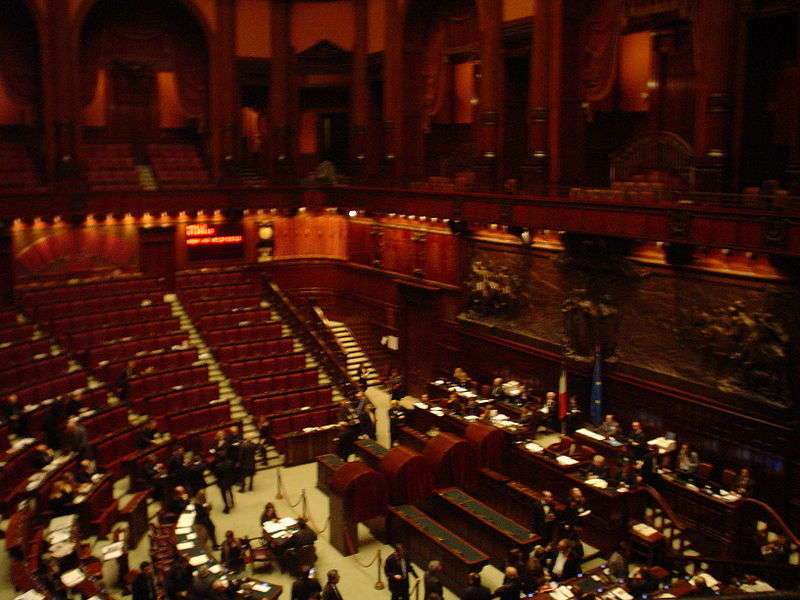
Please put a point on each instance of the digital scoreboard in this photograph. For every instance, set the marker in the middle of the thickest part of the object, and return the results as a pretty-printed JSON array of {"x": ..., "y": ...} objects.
[{"x": 214, "y": 241}]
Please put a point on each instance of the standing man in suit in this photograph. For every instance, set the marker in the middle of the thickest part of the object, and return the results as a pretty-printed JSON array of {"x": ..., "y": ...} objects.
[
  {"x": 475, "y": 591},
  {"x": 544, "y": 516},
  {"x": 433, "y": 585},
  {"x": 247, "y": 464},
  {"x": 144, "y": 584},
  {"x": 76, "y": 439},
  {"x": 397, "y": 570},
  {"x": 331, "y": 591}
]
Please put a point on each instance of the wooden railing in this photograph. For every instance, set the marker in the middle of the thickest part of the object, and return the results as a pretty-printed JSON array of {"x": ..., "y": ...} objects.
[
  {"x": 315, "y": 336},
  {"x": 782, "y": 576}
]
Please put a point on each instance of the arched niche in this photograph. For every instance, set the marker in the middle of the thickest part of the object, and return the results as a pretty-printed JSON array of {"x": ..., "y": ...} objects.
[
  {"x": 20, "y": 71},
  {"x": 143, "y": 71}
]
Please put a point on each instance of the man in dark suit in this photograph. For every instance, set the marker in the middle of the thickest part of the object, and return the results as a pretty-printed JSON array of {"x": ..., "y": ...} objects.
[
  {"x": 544, "y": 516},
  {"x": 475, "y": 591},
  {"x": 76, "y": 439},
  {"x": 512, "y": 586},
  {"x": 144, "y": 584},
  {"x": 564, "y": 562},
  {"x": 331, "y": 589},
  {"x": 433, "y": 585},
  {"x": 306, "y": 585},
  {"x": 304, "y": 536},
  {"x": 247, "y": 464},
  {"x": 397, "y": 569}
]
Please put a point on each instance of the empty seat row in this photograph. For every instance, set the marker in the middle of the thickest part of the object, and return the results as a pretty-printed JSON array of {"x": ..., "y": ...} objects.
[
  {"x": 113, "y": 176},
  {"x": 161, "y": 403},
  {"x": 82, "y": 306},
  {"x": 192, "y": 419},
  {"x": 273, "y": 404},
  {"x": 163, "y": 361},
  {"x": 105, "y": 422},
  {"x": 33, "y": 371},
  {"x": 178, "y": 162},
  {"x": 85, "y": 339},
  {"x": 255, "y": 386},
  {"x": 36, "y": 295},
  {"x": 184, "y": 280},
  {"x": 195, "y": 176},
  {"x": 62, "y": 384},
  {"x": 231, "y": 352},
  {"x": 101, "y": 150},
  {"x": 246, "y": 333},
  {"x": 152, "y": 383},
  {"x": 101, "y": 319},
  {"x": 263, "y": 366},
  {"x": 227, "y": 320},
  {"x": 113, "y": 450},
  {"x": 211, "y": 292},
  {"x": 16, "y": 333},
  {"x": 210, "y": 307},
  {"x": 8, "y": 318},
  {"x": 123, "y": 350},
  {"x": 94, "y": 399},
  {"x": 21, "y": 352},
  {"x": 281, "y": 427},
  {"x": 112, "y": 162}
]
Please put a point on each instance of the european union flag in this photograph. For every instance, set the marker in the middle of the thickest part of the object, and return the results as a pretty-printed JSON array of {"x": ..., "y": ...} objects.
[{"x": 596, "y": 404}]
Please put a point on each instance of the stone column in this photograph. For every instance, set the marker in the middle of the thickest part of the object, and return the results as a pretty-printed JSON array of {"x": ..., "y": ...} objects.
[
  {"x": 280, "y": 153},
  {"x": 714, "y": 33},
  {"x": 225, "y": 113},
  {"x": 66, "y": 92},
  {"x": 360, "y": 101},
  {"x": 492, "y": 85},
  {"x": 393, "y": 94},
  {"x": 535, "y": 170}
]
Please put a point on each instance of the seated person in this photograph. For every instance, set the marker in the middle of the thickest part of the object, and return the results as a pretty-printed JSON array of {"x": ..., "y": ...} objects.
[
  {"x": 61, "y": 497},
  {"x": 637, "y": 439},
  {"x": 86, "y": 471},
  {"x": 564, "y": 562},
  {"x": 744, "y": 483},
  {"x": 641, "y": 582},
  {"x": 148, "y": 435},
  {"x": 460, "y": 377},
  {"x": 497, "y": 391},
  {"x": 776, "y": 551},
  {"x": 686, "y": 461},
  {"x": 304, "y": 536},
  {"x": 609, "y": 427},
  {"x": 454, "y": 402},
  {"x": 232, "y": 555},
  {"x": 597, "y": 469},
  {"x": 42, "y": 456},
  {"x": 268, "y": 514}
]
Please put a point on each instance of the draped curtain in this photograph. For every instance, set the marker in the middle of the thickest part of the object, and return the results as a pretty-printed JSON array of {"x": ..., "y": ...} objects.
[
  {"x": 154, "y": 35},
  {"x": 601, "y": 36},
  {"x": 435, "y": 74}
]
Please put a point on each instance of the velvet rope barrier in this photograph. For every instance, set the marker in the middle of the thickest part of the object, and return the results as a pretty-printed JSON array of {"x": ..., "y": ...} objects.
[{"x": 377, "y": 558}]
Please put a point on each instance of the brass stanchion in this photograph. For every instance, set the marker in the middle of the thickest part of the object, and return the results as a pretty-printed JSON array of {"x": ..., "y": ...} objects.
[
  {"x": 379, "y": 584},
  {"x": 304, "y": 500},
  {"x": 279, "y": 495}
]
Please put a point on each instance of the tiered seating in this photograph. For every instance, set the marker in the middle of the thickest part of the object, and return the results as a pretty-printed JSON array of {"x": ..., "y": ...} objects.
[
  {"x": 99, "y": 319},
  {"x": 153, "y": 383},
  {"x": 36, "y": 295},
  {"x": 35, "y": 370},
  {"x": 16, "y": 333},
  {"x": 197, "y": 418},
  {"x": 157, "y": 405},
  {"x": 110, "y": 167},
  {"x": 232, "y": 352},
  {"x": 19, "y": 353},
  {"x": 261, "y": 384},
  {"x": 65, "y": 308},
  {"x": 189, "y": 279},
  {"x": 85, "y": 339},
  {"x": 264, "y": 366},
  {"x": 17, "y": 170},
  {"x": 218, "y": 292},
  {"x": 62, "y": 384},
  {"x": 156, "y": 361},
  {"x": 178, "y": 166},
  {"x": 229, "y": 320},
  {"x": 289, "y": 424},
  {"x": 114, "y": 449},
  {"x": 122, "y": 350},
  {"x": 105, "y": 422},
  {"x": 282, "y": 402},
  {"x": 246, "y": 333},
  {"x": 225, "y": 305}
]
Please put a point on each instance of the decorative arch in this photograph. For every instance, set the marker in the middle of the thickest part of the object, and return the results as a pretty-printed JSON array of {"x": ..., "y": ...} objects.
[
  {"x": 154, "y": 51},
  {"x": 661, "y": 155},
  {"x": 21, "y": 40}
]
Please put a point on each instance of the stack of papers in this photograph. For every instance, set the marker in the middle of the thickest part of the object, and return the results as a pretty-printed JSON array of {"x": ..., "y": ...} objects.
[
  {"x": 216, "y": 569},
  {"x": 758, "y": 586},
  {"x": 113, "y": 551},
  {"x": 198, "y": 560},
  {"x": 261, "y": 587},
  {"x": 566, "y": 460},
  {"x": 273, "y": 528},
  {"x": 598, "y": 483},
  {"x": 72, "y": 578},
  {"x": 30, "y": 595},
  {"x": 185, "y": 520},
  {"x": 421, "y": 405},
  {"x": 183, "y": 530},
  {"x": 62, "y": 523},
  {"x": 663, "y": 444},
  {"x": 562, "y": 592},
  {"x": 621, "y": 594},
  {"x": 185, "y": 545},
  {"x": 710, "y": 581},
  {"x": 644, "y": 529},
  {"x": 590, "y": 434},
  {"x": 533, "y": 447},
  {"x": 56, "y": 537}
]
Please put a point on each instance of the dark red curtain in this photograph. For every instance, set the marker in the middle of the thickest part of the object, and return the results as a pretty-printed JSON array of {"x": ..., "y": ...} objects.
[{"x": 601, "y": 35}]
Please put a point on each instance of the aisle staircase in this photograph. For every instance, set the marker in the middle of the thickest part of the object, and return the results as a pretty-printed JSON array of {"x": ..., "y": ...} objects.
[
  {"x": 355, "y": 355},
  {"x": 147, "y": 178}
]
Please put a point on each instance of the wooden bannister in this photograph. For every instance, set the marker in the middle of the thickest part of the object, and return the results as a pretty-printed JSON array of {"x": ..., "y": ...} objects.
[{"x": 315, "y": 335}]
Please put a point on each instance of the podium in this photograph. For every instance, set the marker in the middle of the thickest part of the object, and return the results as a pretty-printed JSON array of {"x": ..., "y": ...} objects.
[
  {"x": 490, "y": 443},
  {"x": 409, "y": 475},
  {"x": 357, "y": 494},
  {"x": 453, "y": 461}
]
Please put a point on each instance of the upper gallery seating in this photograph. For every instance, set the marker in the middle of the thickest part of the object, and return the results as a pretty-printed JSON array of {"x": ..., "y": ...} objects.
[
  {"x": 178, "y": 166},
  {"x": 16, "y": 167},
  {"x": 110, "y": 167}
]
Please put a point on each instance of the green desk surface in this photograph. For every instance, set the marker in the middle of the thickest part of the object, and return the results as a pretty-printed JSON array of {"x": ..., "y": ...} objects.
[
  {"x": 423, "y": 522},
  {"x": 331, "y": 460},
  {"x": 372, "y": 447},
  {"x": 487, "y": 514}
]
